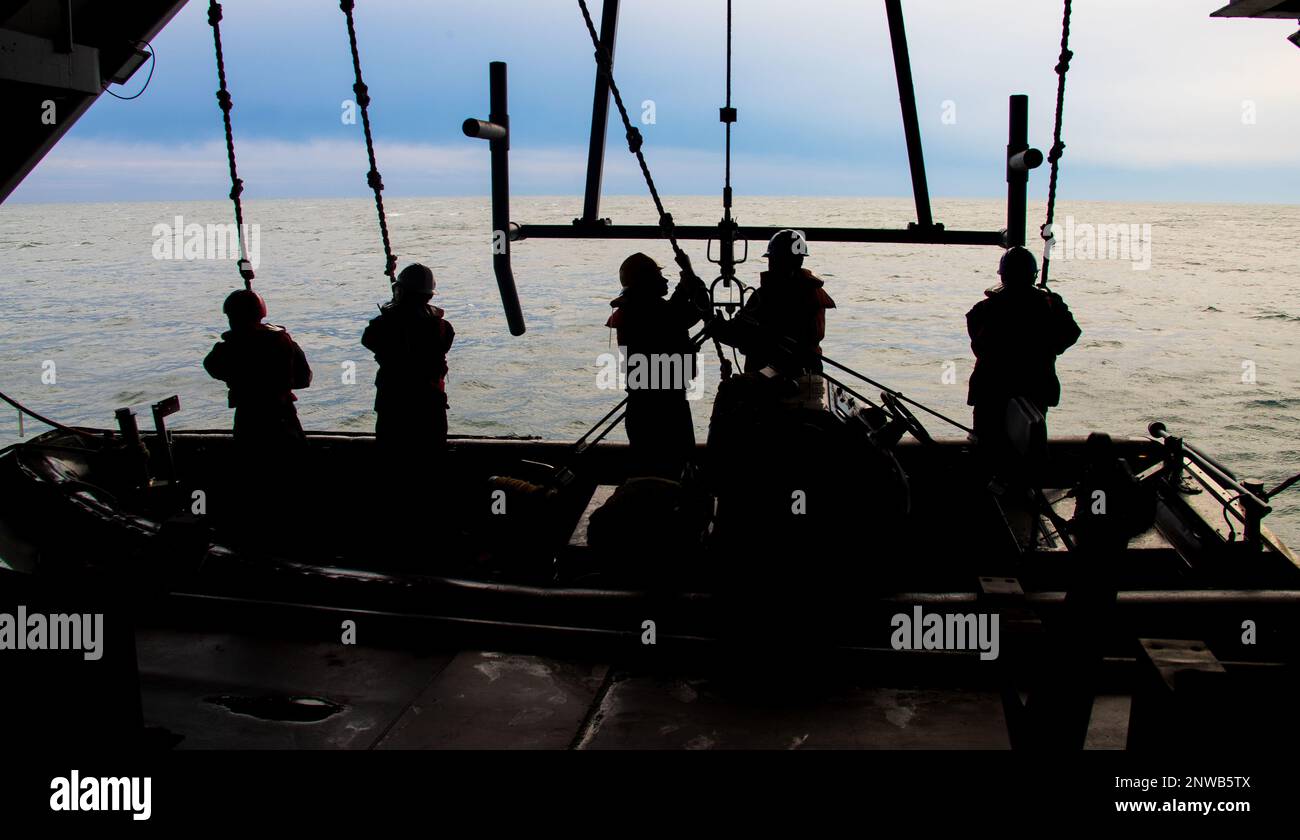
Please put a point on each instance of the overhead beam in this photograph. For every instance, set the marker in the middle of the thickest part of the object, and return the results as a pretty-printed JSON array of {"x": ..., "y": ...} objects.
[
  {"x": 911, "y": 123},
  {"x": 39, "y": 61},
  {"x": 600, "y": 117},
  {"x": 935, "y": 235},
  {"x": 1276, "y": 9}
]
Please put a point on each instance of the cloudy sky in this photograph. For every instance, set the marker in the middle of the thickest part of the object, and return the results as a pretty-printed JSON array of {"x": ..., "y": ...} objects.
[{"x": 1164, "y": 103}]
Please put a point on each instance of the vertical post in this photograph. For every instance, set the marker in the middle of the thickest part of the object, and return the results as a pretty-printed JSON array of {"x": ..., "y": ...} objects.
[
  {"x": 1017, "y": 177},
  {"x": 599, "y": 117},
  {"x": 63, "y": 40},
  {"x": 162, "y": 410},
  {"x": 134, "y": 447},
  {"x": 907, "y": 98},
  {"x": 500, "y": 152},
  {"x": 1253, "y": 534}
]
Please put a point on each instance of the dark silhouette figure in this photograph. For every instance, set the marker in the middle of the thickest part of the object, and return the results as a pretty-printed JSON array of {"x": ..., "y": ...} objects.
[
  {"x": 1016, "y": 333},
  {"x": 262, "y": 365},
  {"x": 654, "y": 332},
  {"x": 410, "y": 339},
  {"x": 783, "y": 321}
]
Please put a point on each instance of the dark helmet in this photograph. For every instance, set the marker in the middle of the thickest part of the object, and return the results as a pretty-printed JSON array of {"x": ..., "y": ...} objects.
[
  {"x": 417, "y": 278},
  {"x": 1018, "y": 267},
  {"x": 788, "y": 242},
  {"x": 639, "y": 269},
  {"x": 244, "y": 305}
]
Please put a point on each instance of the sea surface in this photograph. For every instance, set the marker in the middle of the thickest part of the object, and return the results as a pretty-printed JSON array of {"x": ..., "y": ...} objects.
[{"x": 1206, "y": 338}]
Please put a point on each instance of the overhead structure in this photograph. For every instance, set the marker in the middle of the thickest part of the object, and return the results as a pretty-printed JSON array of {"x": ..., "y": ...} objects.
[
  {"x": 590, "y": 225},
  {"x": 1264, "y": 10},
  {"x": 56, "y": 58}
]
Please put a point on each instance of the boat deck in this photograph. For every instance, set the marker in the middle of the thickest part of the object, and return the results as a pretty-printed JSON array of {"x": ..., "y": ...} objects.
[{"x": 389, "y": 699}]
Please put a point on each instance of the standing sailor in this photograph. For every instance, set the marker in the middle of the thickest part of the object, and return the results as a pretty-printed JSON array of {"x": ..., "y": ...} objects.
[
  {"x": 1016, "y": 333},
  {"x": 410, "y": 339},
  {"x": 784, "y": 320},
  {"x": 654, "y": 332},
  {"x": 262, "y": 365}
]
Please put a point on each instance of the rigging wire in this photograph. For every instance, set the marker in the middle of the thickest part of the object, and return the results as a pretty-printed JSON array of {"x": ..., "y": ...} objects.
[
  {"x": 372, "y": 177},
  {"x": 1058, "y": 148},
  {"x": 226, "y": 103},
  {"x": 728, "y": 116},
  {"x": 634, "y": 139},
  {"x": 43, "y": 419},
  {"x": 900, "y": 395}
]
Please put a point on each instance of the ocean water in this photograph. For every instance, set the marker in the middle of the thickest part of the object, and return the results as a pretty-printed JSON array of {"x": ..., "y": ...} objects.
[{"x": 1194, "y": 322}]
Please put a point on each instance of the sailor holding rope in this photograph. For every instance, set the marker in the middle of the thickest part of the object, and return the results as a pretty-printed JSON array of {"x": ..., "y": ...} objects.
[{"x": 1016, "y": 333}]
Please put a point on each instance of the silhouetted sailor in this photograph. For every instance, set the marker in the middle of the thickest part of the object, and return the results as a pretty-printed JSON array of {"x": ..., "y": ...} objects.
[
  {"x": 783, "y": 321},
  {"x": 654, "y": 332},
  {"x": 262, "y": 365},
  {"x": 1016, "y": 333},
  {"x": 410, "y": 339}
]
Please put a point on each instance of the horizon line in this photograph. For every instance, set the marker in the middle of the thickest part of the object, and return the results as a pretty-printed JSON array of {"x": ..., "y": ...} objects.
[{"x": 579, "y": 198}]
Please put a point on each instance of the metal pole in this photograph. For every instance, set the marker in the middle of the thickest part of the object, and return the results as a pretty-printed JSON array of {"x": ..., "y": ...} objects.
[
  {"x": 500, "y": 151},
  {"x": 907, "y": 98},
  {"x": 599, "y": 117},
  {"x": 1017, "y": 176}
]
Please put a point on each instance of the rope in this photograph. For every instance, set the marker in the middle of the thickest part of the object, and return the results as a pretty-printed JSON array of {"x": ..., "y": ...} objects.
[
  {"x": 1058, "y": 148},
  {"x": 897, "y": 394},
  {"x": 47, "y": 421},
  {"x": 635, "y": 141},
  {"x": 225, "y": 103},
  {"x": 634, "y": 138},
  {"x": 372, "y": 177}
]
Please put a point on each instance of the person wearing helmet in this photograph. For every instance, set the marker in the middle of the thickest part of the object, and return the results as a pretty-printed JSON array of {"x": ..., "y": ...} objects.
[
  {"x": 262, "y": 366},
  {"x": 654, "y": 333},
  {"x": 410, "y": 339},
  {"x": 1016, "y": 333},
  {"x": 783, "y": 322}
]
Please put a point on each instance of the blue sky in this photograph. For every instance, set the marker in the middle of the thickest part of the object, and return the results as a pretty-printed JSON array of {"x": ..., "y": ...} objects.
[{"x": 1155, "y": 108}]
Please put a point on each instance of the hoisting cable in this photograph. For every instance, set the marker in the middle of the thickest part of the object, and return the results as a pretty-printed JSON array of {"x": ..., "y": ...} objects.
[
  {"x": 372, "y": 177},
  {"x": 728, "y": 117},
  {"x": 225, "y": 103},
  {"x": 1058, "y": 148}
]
